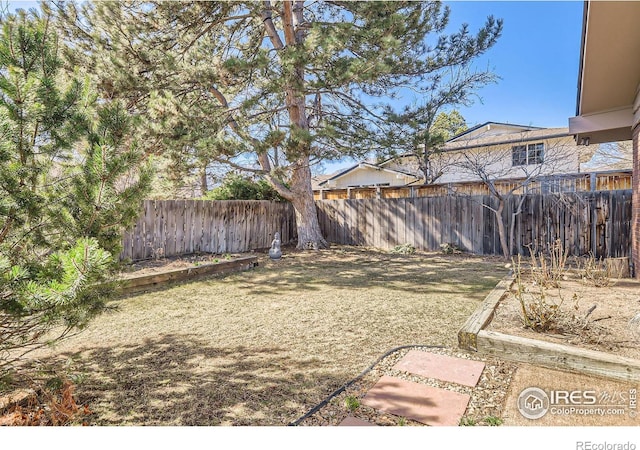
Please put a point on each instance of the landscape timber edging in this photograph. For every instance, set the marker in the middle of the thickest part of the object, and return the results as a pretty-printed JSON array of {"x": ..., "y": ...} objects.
[
  {"x": 481, "y": 317},
  {"x": 473, "y": 337},
  {"x": 154, "y": 280}
]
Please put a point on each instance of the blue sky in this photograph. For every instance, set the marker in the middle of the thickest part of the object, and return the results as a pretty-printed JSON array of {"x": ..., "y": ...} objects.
[{"x": 536, "y": 59}]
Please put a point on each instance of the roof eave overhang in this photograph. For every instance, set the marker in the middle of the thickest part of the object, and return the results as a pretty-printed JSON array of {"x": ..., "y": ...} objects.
[
  {"x": 609, "y": 126},
  {"x": 609, "y": 73}
]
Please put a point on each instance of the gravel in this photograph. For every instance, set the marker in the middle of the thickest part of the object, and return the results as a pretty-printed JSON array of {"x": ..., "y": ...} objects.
[{"x": 485, "y": 407}]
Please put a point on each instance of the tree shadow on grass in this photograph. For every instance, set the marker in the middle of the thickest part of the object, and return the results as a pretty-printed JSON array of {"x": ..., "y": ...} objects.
[
  {"x": 395, "y": 273},
  {"x": 182, "y": 380}
]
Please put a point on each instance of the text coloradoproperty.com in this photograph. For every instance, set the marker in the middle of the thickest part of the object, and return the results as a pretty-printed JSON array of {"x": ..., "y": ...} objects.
[{"x": 568, "y": 410}]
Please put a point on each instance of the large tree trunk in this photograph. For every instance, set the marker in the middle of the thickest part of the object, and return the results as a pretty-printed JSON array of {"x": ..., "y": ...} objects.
[
  {"x": 501, "y": 229},
  {"x": 309, "y": 233},
  {"x": 299, "y": 193},
  {"x": 204, "y": 185}
]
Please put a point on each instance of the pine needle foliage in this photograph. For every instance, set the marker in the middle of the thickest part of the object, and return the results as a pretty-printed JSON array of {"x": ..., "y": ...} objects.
[
  {"x": 274, "y": 87},
  {"x": 71, "y": 178}
]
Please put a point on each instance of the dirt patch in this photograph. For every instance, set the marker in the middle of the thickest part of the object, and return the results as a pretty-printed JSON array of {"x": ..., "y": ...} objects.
[{"x": 590, "y": 317}]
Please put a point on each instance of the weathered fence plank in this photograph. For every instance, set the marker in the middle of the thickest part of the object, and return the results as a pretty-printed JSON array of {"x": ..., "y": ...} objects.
[
  {"x": 597, "y": 222},
  {"x": 582, "y": 182},
  {"x": 175, "y": 227}
]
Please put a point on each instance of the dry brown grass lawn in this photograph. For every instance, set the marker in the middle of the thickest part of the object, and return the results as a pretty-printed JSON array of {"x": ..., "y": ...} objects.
[{"x": 262, "y": 347}]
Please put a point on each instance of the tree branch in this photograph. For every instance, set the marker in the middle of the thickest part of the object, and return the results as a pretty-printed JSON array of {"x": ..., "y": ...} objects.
[
  {"x": 237, "y": 166},
  {"x": 210, "y": 27},
  {"x": 287, "y": 24},
  {"x": 270, "y": 27},
  {"x": 5, "y": 229}
]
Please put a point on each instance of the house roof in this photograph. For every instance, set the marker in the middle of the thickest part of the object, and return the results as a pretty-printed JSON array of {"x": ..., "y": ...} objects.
[
  {"x": 361, "y": 165},
  {"x": 609, "y": 72},
  {"x": 514, "y": 127},
  {"x": 319, "y": 179},
  {"x": 520, "y": 134},
  {"x": 397, "y": 157},
  {"x": 534, "y": 134}
]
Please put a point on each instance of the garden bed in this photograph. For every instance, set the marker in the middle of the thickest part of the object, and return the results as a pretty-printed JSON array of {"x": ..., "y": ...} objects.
[
  {"x": 597, "y": 318},
  {"x": 591, "y": 329},
  {"x": 151, "y": 274}
]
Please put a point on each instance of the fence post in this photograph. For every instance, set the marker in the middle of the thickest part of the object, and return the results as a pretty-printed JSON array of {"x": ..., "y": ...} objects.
[
  {"x": 594, "y": 219},
  {"x": 593, "y": 181}
]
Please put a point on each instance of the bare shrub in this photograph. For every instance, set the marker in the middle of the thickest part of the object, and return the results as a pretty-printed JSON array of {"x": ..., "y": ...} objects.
[
  {"x": 548, "y": 270},
  {"x": 541, "y": 311},
  {"x": 54, "y": 405},
  {"x": 450, "y": 249},
  {"x": 404, "y": 249},
  {"x": 596, "y": 272}
]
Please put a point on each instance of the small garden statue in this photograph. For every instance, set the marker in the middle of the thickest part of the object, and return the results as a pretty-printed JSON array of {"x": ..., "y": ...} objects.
[{"x": 274, "y": 251}]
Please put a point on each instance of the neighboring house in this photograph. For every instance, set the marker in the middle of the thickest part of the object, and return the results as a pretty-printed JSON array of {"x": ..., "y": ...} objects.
[
  {"x": 317, "y": 180},
  {"x": 608, "y": 104},
  {"x": 367, "y": 174},
  {"x": 505, "y": 151}
]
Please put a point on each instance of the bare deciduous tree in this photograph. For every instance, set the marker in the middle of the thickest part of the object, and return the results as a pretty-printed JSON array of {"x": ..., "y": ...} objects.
[
  {"x": 513, "y": 169},
  {"x": 612, "y": 155}
]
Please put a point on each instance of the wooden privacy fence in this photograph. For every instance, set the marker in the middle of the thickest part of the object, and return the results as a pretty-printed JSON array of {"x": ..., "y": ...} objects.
[
  {"x": 598, "y": 222},
  {"x": 177, "y": 227}
]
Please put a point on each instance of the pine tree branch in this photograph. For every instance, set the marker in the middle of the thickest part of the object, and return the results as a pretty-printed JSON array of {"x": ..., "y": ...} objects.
[
  {"x": 231, "y": 121},
  {"x": 237, "y": 166},
  {"x": 210, "y": 27},
  {"x": 270, "y": 27},
  {"x": 263, "y": 159},
  {"x": 6, "y": 228}
]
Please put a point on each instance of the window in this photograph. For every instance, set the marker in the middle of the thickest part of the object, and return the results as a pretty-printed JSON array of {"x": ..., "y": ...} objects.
[
  {"x": 535, "y": 153},
  {"x": 523, "y": 155},
  {"x": 519, "y": 155}
]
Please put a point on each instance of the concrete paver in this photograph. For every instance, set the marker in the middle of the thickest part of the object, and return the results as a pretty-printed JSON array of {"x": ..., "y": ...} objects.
[
  {"x": 445, "y": 368},
  {"x": 426, "y": 404},
  {"x": 355, "y": 422}
]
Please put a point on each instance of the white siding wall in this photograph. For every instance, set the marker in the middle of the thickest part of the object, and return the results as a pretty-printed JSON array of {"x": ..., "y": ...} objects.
[
  {"x": 560, "y": 156},
  {"x": 366, "y": 176}
]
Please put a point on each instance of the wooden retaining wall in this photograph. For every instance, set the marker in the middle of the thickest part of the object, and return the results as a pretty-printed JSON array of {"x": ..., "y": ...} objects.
[
  {"x": 177, "y": 227},
  {"x": 140, "y": 283},
  {"x": 474, "y": 337},
  {"x": 596, "y": 222}
]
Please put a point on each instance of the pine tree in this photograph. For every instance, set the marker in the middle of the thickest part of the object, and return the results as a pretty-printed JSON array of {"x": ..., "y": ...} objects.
[
  {"x": 270, "y": 87},
  {"x": 70, "y": 180}
]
